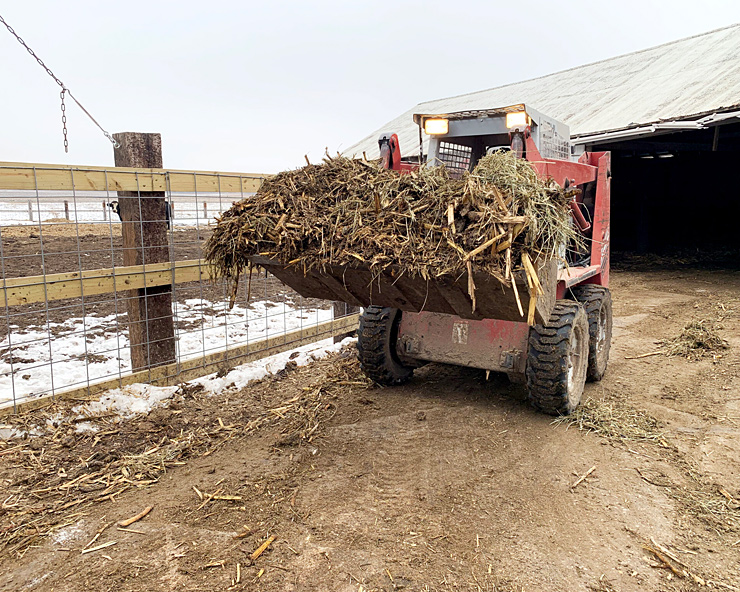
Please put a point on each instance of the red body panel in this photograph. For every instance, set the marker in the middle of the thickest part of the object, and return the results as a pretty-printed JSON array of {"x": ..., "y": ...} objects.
[
  {"x": 395, "y": 155},
  {"x": 489, "y": 344},
  {"x": 591, "y": 166},
  {"x": 560, "y": 170},
  {"x": 601, "y": 239}
]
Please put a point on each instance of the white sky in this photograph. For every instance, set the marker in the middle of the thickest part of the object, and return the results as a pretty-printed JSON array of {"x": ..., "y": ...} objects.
[{"x": 252, "y": 86}]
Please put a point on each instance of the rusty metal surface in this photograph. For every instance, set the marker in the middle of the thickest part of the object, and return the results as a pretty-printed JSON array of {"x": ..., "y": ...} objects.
[
  {"x": 689, "y": 77},
  {"x": 447, "y": 295},
  {"x": 488, "y": 344}
]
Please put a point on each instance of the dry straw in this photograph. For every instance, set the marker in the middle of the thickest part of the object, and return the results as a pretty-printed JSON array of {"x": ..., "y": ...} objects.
[
  {"x": 696, "y": 339},
  {"x": 355, "y": 213}
]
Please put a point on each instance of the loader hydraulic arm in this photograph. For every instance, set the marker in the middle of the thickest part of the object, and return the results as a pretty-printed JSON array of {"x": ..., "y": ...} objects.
[{"x": 390, "y": 151}]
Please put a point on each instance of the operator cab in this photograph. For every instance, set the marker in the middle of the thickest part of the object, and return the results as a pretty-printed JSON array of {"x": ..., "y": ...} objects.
[{"x": 458, "y": 140}]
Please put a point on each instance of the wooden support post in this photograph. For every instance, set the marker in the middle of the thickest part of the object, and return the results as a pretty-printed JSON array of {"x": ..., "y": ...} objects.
[
  {"x": 66, "y": 210},
  {"x": 30, "y": 211},
  {"x": 715, "y": 139},
  {"x": 342, "y": 309},
  {"x": 205, "y": 211},
  {"x": 105, "y": 211},
  {"x": 144, "y": 231}
]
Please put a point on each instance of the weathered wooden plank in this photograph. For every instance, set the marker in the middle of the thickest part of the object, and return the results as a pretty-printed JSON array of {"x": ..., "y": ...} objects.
[
  {"x": 59, "y": 177},
  {"x": 189, "y": 369},
  {"x": 58, "y": 286}
]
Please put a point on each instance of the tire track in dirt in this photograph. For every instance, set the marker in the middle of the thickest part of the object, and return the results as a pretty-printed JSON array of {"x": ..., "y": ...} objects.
[{"x": 447, "y": 483}]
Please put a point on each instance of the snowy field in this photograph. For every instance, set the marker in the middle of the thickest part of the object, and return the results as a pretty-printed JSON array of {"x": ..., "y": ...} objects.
[
  {"x": 37, "y": 360},
  {"x": 17, "y": 209}
]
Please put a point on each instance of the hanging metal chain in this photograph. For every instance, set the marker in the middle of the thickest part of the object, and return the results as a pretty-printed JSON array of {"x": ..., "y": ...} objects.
[
  {"x": 64, "y": 120},
  {"x": 65, "y": 90}
]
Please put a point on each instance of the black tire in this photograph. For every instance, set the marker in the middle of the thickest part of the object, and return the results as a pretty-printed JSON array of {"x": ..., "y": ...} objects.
[
  {"x": 376, "y": 346},
  {"x": 597, "y": 301},
  {"x": 558, "y": 359}
]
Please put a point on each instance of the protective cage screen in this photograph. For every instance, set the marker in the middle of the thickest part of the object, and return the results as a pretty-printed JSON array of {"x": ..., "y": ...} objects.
[{"x": 455, "y": 157}]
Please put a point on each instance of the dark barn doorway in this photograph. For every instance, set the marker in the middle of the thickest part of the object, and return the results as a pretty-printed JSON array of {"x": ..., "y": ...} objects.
[{"x": 677, "y": 193}]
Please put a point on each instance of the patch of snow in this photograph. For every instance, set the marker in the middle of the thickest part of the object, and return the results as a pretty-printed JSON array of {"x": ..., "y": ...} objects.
[
  {"x": 68, "y": 534},
  {"x": 138, "y": 399},
  {"x": 187, "y": 213},
  {"x": 10, "y": 432},
  {"x": 92, "y": 348},
  {"x": 246, "y": 373},
  {"x": 85, "y": 427},
  {"x": 37, "y": 580},
  {"x": 130, "y": 400}
]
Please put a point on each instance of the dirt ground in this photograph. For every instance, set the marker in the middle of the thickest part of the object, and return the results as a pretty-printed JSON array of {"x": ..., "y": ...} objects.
[{"x": 450, "y": 482}]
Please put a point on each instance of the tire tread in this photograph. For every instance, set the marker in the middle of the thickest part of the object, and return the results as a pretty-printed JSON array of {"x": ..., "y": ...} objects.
[
  {"x": 374, "y": 345},
  {"x": 547, "y": 362},
  {"x": 593, "y": 297}
]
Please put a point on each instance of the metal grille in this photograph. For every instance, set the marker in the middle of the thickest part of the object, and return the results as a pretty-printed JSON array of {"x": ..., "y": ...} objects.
[
  {"x": 455, "y": 157},
  {"x": 552, "y": 144}
]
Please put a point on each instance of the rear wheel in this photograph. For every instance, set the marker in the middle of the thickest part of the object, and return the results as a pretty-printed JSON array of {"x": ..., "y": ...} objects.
[
  {"x": 558, "y": 359},
  {"x": 376, "y": 346},
  {"x": 597, "y": 301}
]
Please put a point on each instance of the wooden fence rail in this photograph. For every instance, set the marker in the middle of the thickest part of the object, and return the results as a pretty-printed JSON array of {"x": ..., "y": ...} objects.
[
  {"x": 59, "y": 177},
  {"x": 81, "y": 284}
]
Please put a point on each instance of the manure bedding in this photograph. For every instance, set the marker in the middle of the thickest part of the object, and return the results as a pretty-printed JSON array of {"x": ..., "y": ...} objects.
[{"x": 346, "y": 212}]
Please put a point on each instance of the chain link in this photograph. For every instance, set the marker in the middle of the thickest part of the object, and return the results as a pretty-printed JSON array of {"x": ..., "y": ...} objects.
[
  {"x": 64, "y": 120},
  {"x": 61, "y": 94}
]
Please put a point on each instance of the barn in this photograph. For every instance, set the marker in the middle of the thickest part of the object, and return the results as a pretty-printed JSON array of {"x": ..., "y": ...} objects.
[{"x": 671, "y": 117}]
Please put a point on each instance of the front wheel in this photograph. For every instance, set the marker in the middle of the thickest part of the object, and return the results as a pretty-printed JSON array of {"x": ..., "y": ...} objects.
[
  {"x": 376, "y": 346},
  {"x": 557, "y": 362}
]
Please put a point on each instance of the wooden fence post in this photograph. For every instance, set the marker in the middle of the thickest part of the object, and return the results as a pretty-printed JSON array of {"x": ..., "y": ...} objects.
[
  {"x": 342, "y": 309},
  {"x": 105, "y": 212},
  {"x": 30, "y": 211},
  {"x": 66, "y": 210},
  {"x": 144, "y": 230}
]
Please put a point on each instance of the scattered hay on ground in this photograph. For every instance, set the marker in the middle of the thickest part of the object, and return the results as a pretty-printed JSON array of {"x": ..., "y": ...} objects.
[
  {"x": 621, "y": 423},
  {"x": 614, "y": 421},
  {"x": 57, "y": 472},
  {"x": 697, "y": 339},
  {"x": 681, "y": 258},
  {"x": 429, "y": 224}
]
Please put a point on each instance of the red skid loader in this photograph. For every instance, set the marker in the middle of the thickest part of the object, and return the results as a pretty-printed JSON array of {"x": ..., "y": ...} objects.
[{"x": 407, "y": 322}]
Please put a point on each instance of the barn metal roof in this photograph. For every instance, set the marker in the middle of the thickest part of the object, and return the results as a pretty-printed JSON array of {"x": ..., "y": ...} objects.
[{"x": 684, "y": 79}]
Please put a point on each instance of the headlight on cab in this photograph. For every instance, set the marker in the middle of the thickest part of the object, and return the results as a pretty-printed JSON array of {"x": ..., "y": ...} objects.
[
  {"x": 518, "y": 119},
  {"x": 436, "y": 127}
]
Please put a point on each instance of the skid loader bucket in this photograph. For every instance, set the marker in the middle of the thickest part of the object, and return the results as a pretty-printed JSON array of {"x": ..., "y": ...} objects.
[{"x": 447, "y": 295}]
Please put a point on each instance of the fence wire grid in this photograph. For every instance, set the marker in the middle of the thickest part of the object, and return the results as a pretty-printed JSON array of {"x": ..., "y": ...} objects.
[{"x": 51, "y": 345}]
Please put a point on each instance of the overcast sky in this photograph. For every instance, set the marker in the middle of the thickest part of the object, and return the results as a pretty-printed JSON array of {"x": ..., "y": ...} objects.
[{"x": 253, "y": 86}]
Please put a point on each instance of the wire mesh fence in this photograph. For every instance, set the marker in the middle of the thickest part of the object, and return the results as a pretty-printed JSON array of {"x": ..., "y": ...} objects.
[
  {"x": 23, "y": 208},
  {"x": 83, "y": 290}
]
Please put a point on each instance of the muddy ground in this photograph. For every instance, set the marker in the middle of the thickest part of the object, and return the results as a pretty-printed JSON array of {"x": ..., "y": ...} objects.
[{"x": 450, "y": 482}]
